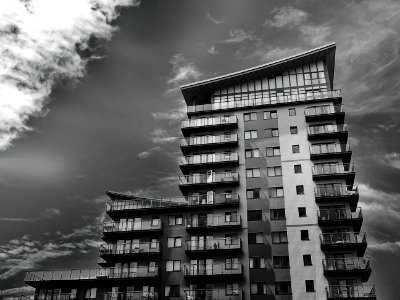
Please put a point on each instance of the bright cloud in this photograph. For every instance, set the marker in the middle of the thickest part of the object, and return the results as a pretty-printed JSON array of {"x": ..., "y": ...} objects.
[
  {"x": 183, "y": 71},
  {"x": 389, "y": 159},
  {"x": 238, "y": 36},
  {"x": 212, "y": 19},
  {"x": 286, "y": 16},
  {"x": 161, "y": 136}
]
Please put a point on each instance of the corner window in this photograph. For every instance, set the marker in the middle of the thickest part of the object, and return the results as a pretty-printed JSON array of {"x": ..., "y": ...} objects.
[
  {"x": 250, "y": 134},
  {"x": 279, "y": 237},
  {"x": 271, "y": 132},
  {"x": 280, "y": 262},
  {"x": 251, "y": 153},
  {"x": 252, "y": 173},
  {"x": 273, "y": 151},
  {"x": 253, "y": 193},
  {"x": 274, "y": 171},
  {"x": 277, "y": 214},
  {"x": 275, "y": 192},
  {"x": 250, "y": 116},
  {"x": 273, "y": 114},
  {"x": 256, "y": 238},
  {"x": 258, "y": 288}
]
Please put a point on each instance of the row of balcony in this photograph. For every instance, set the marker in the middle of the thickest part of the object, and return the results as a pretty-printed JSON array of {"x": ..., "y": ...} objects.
[
  {"x": 337, "y": 292},
  {"x": 348, "y": 266},
  {"x": 344, "y": 241},
  {"x": 339, "y": 131}
]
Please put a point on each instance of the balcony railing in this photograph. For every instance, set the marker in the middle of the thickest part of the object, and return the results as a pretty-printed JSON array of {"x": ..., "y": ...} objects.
[
  {"x": 209, "y": 140},
  {"x": 223, "y": 244},
  {"x": 130, "y": 248},
  {"x": 344, "y": 238},
  {"x": 214, "y": 294},
  {"x": 210, "y": 178},
  {"x": 213, "y": 199},
  {"x": 335, "y": 191},
  {"x": 153, "y": 225},
  {"x": 329, "y": 148},
  {"x": 209, "y": 122},
  {"x": 323, "y": 110},
  {"x": 212, "y": 269},
  {"x": 91, "y": 274},
  {"x": 309, "y": 96},
  {"x": 213, "y": 158},
  {"x": 351, "y": 292},
  {"x": 327, "y": 129},
  {"x": 133, "y": 295},
  {"x": 346, "y": 264},
  {"x": 213, "y": 221},
  {"x": 336, "y": 214},
  {"x": 332, "y": 169}
]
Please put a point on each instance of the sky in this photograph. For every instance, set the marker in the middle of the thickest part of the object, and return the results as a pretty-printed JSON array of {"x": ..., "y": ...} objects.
[{"x": 90, "y": 101}]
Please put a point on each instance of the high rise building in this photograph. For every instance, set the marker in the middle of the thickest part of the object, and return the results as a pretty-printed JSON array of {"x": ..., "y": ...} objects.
[{"x": 269, "y": 207}]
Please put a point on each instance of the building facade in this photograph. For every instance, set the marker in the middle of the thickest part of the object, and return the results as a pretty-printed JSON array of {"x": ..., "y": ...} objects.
[{"x": 268, "y": 207}]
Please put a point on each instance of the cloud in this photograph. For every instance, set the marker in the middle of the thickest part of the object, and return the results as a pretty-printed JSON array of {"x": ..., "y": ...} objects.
[
  {"x": 161, "y": 136},
  {"x": 267, "y": 54},
  {"x": 212, "y": 50},
  {"x": 237, "y": 36},
  {"x": 389, "y": 159},
  {"x": 286, "y": 16},
  {"x": 148, "y": 153},
  {"x": 183, "y": 71},
  {"x": 46, "y": 214},
  {"x": 393, "y": 247},
  {"x": 42, "y": 43},
  {"x": 213, "y": 20}
]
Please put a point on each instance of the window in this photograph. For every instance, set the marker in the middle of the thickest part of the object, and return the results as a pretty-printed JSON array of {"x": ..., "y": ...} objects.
[
  {"x": 173, "y": 265},
  {"x": 275, "y": 192},
  {"x": 278, "y": 214},
  {"x": 175, "y": 220},
  {"x": 231, "y": 239},
  {"x": 90, "y": 293},
  {"x": 257, "y": 263},
  {"x": 232, "y": 263},
  {"x": 300, "y": 189},
  {"x": 231, "y": 216},
  {"x": 172, "y": 291},
  {"x": 258, "y": 288},
  {"x": 273, "y": 151},
  {"x": 280, "y": 262},
  {"x": 174, "y": 242},
  {"x": 293, "y": 129},
  {"x": 271, "y": 132},
  {"x": 254, "y": 215},
  {"x": 250, "y": 116},
  {"x": 292, "y": 111},
  {"x": 256, "y": 238},
  {"x": 279, "y": 237},
  {"x": 310, "y": 286},
  {"x": 295, "y": 149},
  {"x": 273, "y": 114},
  {"x": 302, "y": 212},
  {"x": 307, "y": 260},
  {"x": 283, "y": 287},
  {"x": 232, "y": 289},
  {"x": 250, "y": 153},
  {"x": 253, "y": 193},
  {"x": 304, "y": 235},
  {"x": 73, "y": 293},
  {"x": 250, "y": 134},
  {"x": 297, "y": 169},
  {"x": 274, "y": 171},
  {"x": 251, "y": 173}
]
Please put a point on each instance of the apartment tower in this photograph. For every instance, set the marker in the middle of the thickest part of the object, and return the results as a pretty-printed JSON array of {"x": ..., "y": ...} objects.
[{"x": 268, "y": 207}]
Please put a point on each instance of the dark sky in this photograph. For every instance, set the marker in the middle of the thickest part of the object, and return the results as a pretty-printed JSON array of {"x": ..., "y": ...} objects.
[{"x": 117, "y": 127}]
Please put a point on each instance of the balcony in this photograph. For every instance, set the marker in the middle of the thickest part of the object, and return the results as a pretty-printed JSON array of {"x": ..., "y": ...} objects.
[
  {"x": 195, "y": 125},
  {"x": 214, "y": 246},
  {"x": 336, "y": 192},
  {"x": 310, "y": 96},
  {"x": 344, "y": 241},
  {"x": 129, "y": 251},
  {"x": 213, "y": 271},
  {"x": 208, "y": 160},
  {"x": 214, "y": 294},
  {"x": 330, "y": 131},
  {"x": 331, "y": 171},
  {"x": 213, "y": 222},
  {"x": 212, "y": 200},
  {"x": 325, "y": 112},
  {"x": 133, "y": 295},
  {"x": 338, "y": 292},
  {"x": 340, "y": 216},
  {"x": 208, "y": 141},
  {"x": 348, "y": 267},
  {"x": 209, "y": 179},
  {"x": 130, "y": 228},
  {"x": 331, "y": 151}
]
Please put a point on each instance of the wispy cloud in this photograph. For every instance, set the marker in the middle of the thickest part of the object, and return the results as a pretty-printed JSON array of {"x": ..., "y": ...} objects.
[
  {"x": 393, "y": 247},
  {"x": 212, "y": 50},
  {"x": 148, "y": 153},
  {"x": 183, "y": 71},
  {"x": 286, "y": 16},
  {"x": 389, "y": 159},
  {"x": 46, "y": 214},
  {"x": 213, "y": 20},
  {"x": 42, "y": 43},
  {"x": 161, "y": 136},
  {"x": 237, "y": 36},
  {"x": 266, "y": 53}
]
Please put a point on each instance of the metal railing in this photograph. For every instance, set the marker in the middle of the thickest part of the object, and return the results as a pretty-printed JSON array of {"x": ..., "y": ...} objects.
[
  {"x": 211, "y": 121},
  {"x": 209, "y": 178},
  {"x": 208, "y": 158},
  {"x": 329, "y": 148},
  {"x": 131, "y": 226},
  {"x": 332, "y": 169},
  {"x": 213, "y": 199},
  {"x": 334, "y": 214},
  {"x": 133, "y": 295},
  {"x": 350, "y": 291},
  {"x": 213, "y": 221},
  {"x": 214, "y": 294},
  {"x": 346, "y": 264},
  {"x": 212, "y": 269},
  {"x": 343, "y": 238},
  {"x": 91, "y": 274},
  {"x": 62, "y": 296},
  {"x": 335, "y": 190},
  {"x": 309, "y": 96},
  {"x": 325, "y": 129},
  {"x": 321, "y": 110},
  {"x": 131, "y": 248},
  {"x": 213, "y": 244},
  {"x": 209, "y": 139}
]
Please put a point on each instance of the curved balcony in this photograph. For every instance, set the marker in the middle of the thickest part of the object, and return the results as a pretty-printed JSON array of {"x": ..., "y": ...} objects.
[
  {"x": 133, "y": 295},
  {"x": 213, "y": 271},
  {"x": 338, "y": 292},
  {"x": 128, "y": 251},
  {"x": 208, "y": 141},
  {"x": 213, "y": 246},
  {"x": 211, "y": 179},
  {"x": 325, "y": 112},
  {"x": 208, "y": 160},
  {"x": 214, "y": 294},
  {"x": 340, "y": 216},
  {"x": 331, "y": 151},
  {"x": 328, "y": 131},
  {"x": 352, "y": 266},
  {"x": 344, "y": 241},
  {"x": 330, "y": 171},
  {"x": 214, "y": 123},
  {"x": 337, "y": 193},
  {"x": 213, "y": 222},
  {"x": 120, "y": 229}
]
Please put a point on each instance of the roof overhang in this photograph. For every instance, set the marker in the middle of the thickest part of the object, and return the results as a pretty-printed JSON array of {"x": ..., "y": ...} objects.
[{"x": 200, "y": 92}]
